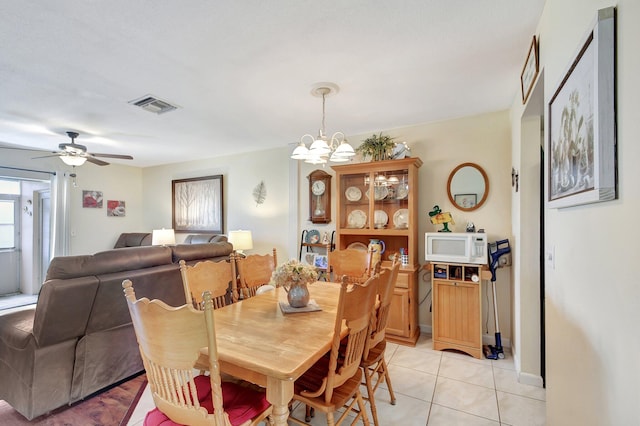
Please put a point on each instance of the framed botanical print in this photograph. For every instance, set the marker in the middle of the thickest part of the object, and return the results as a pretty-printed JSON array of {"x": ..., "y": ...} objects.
[{"x": 582, "y": 123}]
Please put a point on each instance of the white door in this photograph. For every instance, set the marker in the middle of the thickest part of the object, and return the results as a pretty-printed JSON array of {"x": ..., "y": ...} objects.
[{"x": 43, "y": 236}]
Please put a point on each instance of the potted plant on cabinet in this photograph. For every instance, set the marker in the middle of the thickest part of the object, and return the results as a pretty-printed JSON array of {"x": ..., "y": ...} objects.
[{"x": 377, "y": 147}]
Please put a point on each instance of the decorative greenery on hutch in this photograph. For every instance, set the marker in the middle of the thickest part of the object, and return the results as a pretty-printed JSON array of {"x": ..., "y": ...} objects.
[{"x": 377, "y": 147}]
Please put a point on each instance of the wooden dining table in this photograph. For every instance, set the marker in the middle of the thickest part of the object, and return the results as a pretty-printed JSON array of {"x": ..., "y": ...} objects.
[{"x": 259, "y": 343}]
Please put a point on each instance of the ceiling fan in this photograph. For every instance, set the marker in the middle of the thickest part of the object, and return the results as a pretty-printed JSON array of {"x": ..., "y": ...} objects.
[{"x": 75, "y": 154}]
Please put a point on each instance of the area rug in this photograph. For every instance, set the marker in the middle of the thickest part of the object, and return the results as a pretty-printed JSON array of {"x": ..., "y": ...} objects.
[{"x": 134, "y": 403}]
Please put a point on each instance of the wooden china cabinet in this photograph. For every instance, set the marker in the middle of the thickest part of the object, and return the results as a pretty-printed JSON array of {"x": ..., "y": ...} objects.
[{"x": 379, "y": 200}]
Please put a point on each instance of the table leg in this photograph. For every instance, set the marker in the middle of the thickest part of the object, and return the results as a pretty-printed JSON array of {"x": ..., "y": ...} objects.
[{"x": 279, "y": 394}]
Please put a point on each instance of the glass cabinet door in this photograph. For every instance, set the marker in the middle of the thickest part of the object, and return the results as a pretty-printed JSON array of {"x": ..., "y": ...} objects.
[{"x": 355, "y": 203}]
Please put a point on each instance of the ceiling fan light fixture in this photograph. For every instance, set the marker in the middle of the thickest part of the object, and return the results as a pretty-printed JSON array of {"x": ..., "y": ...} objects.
[{"x": 73, "y": 160}]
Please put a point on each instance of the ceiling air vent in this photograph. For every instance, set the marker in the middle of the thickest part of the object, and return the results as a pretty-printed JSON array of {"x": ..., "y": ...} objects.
[{"x": 153, "y": 104}]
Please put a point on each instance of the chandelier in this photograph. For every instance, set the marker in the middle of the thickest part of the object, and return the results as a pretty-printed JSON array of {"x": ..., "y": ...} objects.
[{"x": 321, "y": 148}]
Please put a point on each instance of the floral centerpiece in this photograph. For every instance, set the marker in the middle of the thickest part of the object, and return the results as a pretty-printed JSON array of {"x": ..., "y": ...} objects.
[
  {"x": 293, "y": 272},
  {"x": 294, "y": 276}
]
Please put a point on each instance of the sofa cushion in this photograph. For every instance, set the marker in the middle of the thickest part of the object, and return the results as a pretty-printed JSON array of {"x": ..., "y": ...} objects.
[
  {"x": 189, "y": 252},
  {"x": 63, "y": 309},
  {"x": 133, "y": 239},
  {"x": 125, "y": 259},
  {"x": 204, "y": 238}
]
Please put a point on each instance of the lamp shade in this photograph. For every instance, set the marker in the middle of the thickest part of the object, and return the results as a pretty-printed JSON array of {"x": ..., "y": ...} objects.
[
  {"x": 163, "y": 237},
  {"x": 241, "y": 240}
]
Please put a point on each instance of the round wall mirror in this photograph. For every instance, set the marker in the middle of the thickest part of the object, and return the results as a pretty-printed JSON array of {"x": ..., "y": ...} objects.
[{"x": 468, "y": 187}]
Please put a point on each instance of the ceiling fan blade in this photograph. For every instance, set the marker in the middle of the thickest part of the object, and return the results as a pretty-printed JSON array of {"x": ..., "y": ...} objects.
[
  {"x": 96, "y": 161},
  {"x": 23, "y": 149},
  {"x": 123, "y": 157},
  {"x": 53, "y": 154}
]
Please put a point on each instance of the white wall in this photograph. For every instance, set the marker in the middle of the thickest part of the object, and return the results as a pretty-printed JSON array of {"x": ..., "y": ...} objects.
[
  {"x": 592, "y": 295},
  {"x": 91, "y": 229},
  {"x": 268, "y": 222}
]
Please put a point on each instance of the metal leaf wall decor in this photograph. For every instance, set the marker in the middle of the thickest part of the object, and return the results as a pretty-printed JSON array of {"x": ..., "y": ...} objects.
[{"x": 260, "y": 193}]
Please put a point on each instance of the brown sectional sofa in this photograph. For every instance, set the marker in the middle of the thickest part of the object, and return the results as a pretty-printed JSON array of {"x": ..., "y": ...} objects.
[
  {"x": 78, "y": 338},
  {"x": 136, "y": 239}
]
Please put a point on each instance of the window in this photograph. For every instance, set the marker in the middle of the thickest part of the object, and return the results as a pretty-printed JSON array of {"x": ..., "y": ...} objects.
[
  {"x": 9, "y": 190},
  {"x": 7, "y": 224}
]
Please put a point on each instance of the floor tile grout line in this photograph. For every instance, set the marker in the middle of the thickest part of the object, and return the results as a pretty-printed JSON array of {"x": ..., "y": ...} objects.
[
  {"x": 435, "y": 386},
  {"x": 495, "y": 392}
]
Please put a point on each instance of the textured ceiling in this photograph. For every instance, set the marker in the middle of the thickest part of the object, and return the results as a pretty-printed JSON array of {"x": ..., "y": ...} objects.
[{"x": 241, "y": 72}]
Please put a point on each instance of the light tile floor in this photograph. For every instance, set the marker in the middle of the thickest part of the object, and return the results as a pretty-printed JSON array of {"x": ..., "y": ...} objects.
[{"x": 441, "y": 388}]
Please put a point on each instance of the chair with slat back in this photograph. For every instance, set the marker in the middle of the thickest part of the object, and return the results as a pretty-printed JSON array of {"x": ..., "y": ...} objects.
[
  {"x": 216, "y": 277},
  {"x": 334, "y": 380},
  {"x": 373, "y": 363},
  {"x": 254, "y": 270},
  {"x": 355, "y": 264},
  {"x": 170, "y": 339}
]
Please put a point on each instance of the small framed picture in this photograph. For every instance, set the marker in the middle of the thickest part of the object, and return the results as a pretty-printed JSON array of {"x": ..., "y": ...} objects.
[
  {"x": 321, "y": 261},
  {"x": 529, "y": 71},
  {"x": 309, "y": 258},
  {"x": 466, "y": 200},
  {"x": 92, "y": 199}
]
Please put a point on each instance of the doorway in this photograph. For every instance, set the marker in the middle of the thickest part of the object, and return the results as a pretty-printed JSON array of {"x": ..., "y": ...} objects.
[
  {"x": 25, "y": 239},
  {"x": 529, "y": 299}
]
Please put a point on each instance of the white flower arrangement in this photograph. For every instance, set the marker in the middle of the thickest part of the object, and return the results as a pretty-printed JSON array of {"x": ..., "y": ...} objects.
[{"x": 293, "y": 272}]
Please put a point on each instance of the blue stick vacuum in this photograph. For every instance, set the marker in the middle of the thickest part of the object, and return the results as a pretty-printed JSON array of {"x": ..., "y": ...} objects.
[{"x": 496, "y": 250}]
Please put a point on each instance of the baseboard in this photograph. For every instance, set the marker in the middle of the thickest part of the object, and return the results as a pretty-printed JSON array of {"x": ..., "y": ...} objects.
[
  {"x": 490, "y": 339},
  {"x": 530, "y": 379},
  {"x": 487, "y": 339},
  {"x": 425, "y": 329}
]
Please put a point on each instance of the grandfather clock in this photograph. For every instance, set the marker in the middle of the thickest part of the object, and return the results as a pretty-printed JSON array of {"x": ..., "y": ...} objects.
[{"x": 319, "y": 196}]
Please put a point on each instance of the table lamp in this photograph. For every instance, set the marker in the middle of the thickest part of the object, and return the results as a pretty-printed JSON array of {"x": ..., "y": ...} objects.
[
  {"x": 163, "y": 237},
  {"x": 241, "y": 240}
]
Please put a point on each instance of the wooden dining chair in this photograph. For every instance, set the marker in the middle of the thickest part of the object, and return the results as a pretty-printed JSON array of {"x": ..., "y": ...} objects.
[
  {"x": 216, "y": 277},
  {"x": 373, "y": 363},
  {"x": 169, "y": 340},
  {"x": 254, "y": 270},
  {"x": 356, "y": 264},
  {"x": 334, "y": 380}
]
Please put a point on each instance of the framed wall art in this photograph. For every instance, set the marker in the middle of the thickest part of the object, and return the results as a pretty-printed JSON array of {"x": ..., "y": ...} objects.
[
  {"x": 197, "y": 204},
  {"x": 466, "y": 200},
  {"x": 92, "y": 199},
  {"x": 582, "y": 123},
  {"x": 116, "y": 208},
  {"x": 529, "y": 71}
]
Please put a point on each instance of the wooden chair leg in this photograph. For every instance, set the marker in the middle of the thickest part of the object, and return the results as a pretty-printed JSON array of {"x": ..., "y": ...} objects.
[
  {"x": 388, "y": 380},
  {"x": 363, "y": 409},
  {"x": 371, "y": 395},
  {"x": 309, "y": 412}
]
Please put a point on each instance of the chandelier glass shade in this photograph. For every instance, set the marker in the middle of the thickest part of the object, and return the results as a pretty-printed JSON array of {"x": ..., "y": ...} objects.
[{"x": 321, "y": 148}]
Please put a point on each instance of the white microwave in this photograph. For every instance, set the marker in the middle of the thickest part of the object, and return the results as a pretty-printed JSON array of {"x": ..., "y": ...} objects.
[{"x": 456, "y": 247}]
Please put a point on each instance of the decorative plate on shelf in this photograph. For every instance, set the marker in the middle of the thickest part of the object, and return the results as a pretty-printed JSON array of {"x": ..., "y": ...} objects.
[
  {"x": 380, "y": 219},
  {"x": 402, "y": 191},
  {"x": 358, "y": 246},
  {"x": 401, "y": 218},
  {"x": 357, "y": 219},
  {"x": 313, "y": 236},
  {"x": 379, "y": 193},
  {"x": 353, "y": 193}
]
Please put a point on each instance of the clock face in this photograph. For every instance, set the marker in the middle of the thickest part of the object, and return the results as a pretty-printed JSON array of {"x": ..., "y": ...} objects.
[{"x": 318, "y": 187}]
